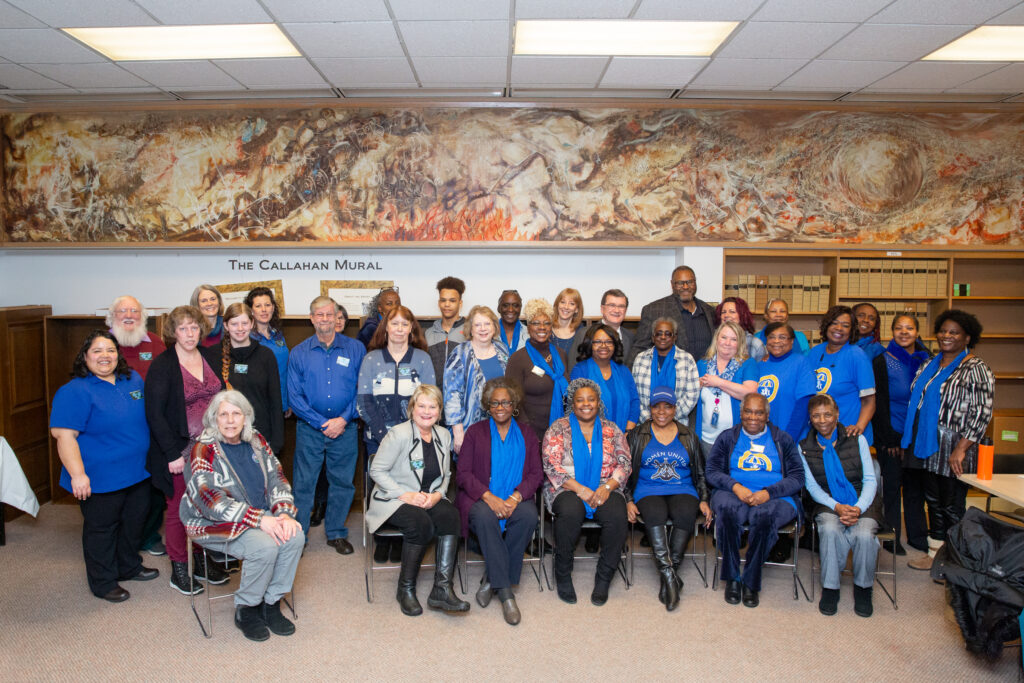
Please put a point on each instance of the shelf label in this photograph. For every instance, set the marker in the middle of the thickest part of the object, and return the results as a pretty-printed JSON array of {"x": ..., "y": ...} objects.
[
  {"x": 894, "y": 253},
  {"x": 1007, "y": 435}
]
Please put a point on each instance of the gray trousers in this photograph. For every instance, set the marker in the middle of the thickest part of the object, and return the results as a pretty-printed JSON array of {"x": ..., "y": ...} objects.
[
  {"x": 268, "y": 569},
  {"x": 837, "y": 540}
]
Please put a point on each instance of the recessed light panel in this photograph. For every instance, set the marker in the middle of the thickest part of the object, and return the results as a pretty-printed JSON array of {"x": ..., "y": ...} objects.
[
  {"x": 229, "y": 41},
  {"x": 621, "y": 38},
  {"x": 985, "y": 44}
]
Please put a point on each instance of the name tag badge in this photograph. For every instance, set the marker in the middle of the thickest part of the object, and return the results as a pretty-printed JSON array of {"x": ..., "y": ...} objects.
[
  {"x": 241, "y": 369},
  {"x": 756, "y": 448},
  {"x": 145, "y": 355},
  {"x": 416, "y": 460},
  {"x": 537, "y": 371},
  {"x": 404, "y": 371},
  {"x": 343, "y": 362},
  {"x": 137, "y": 395}
]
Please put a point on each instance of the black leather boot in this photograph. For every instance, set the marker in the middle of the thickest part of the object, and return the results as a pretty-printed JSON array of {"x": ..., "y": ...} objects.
[
  {"x": 412, "y": 556},
  {"x": 663, "y": 561},
  {"x": 442, "y": 596},
  {"x": 563, "y": 577},
  {"x": 677, "y": 551}
]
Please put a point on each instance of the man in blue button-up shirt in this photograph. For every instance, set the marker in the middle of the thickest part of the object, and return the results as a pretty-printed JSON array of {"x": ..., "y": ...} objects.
[{"x": 322, "y": 375}]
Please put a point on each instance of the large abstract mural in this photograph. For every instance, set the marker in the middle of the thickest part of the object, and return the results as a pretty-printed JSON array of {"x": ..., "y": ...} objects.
[{"x": 515, "y": 175}]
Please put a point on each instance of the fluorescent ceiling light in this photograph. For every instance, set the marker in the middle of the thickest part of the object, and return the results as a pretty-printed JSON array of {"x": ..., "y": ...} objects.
[
  {"x": 985, "y": 44},
  {"x": 228, "y": 41},
  {"x": 624, "y": 38}
]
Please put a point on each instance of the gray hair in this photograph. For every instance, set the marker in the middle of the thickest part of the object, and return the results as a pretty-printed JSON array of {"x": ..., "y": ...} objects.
[
  {"x": 117, "y": 302},
  {"x": 211, "y": 432},
  {"x": 575, "y": 386},
  {"x": 671, "y": 322}
]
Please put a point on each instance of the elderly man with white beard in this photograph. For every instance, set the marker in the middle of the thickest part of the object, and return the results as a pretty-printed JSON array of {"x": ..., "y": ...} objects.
[{"x": 126, "y": 319}]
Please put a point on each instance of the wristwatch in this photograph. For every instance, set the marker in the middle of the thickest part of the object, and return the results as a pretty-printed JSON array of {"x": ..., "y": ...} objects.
[{"x": 607, "y": 487}]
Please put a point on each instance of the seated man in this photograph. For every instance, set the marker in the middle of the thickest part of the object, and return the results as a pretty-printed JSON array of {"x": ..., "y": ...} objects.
[{"x": 755, "y": 471}]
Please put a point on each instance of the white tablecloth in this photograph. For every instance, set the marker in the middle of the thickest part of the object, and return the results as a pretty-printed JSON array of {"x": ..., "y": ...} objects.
[{"x": 14, "y": 488}]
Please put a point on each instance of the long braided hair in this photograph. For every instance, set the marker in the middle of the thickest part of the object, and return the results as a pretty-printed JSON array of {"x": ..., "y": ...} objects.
[{"x": 233, "y": 311}]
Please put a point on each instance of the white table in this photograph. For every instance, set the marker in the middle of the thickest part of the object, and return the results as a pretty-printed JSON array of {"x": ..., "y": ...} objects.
[{"x": 1006, "y": 486}]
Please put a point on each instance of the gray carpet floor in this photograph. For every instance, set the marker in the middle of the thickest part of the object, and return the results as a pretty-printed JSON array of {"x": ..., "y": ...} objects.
[{"x": 53, "y": 629}]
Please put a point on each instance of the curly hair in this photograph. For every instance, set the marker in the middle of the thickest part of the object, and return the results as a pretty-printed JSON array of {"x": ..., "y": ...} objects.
[
  {"x": 178, "y": 316},
  {"x": 275, "y": 317},
  {"x": 535, "y": 307},
  {"x": 587, "y": 345},
  {"x": 970, "y": 324},
  {"x": 855, "y": 332},
  {"x": 742, "y": 310},
  {"x": 741, "y": 342},
  {"x": 80, "y": 369},
  {"x": 417, "y": 339},
  {"x": 572, "y": 295},
  {"x": 509, "y": 385},
  {"x": 452, "y": 283},
  {"x": 575, "y": 386},
  {"x": 831, "y": 315}
]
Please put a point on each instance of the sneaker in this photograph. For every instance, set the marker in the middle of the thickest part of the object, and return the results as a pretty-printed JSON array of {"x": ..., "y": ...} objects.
[
  {"x": 213, "y": 574},
  {"x": 182, "y": 582},
  {"x": 157, "y": 549}
]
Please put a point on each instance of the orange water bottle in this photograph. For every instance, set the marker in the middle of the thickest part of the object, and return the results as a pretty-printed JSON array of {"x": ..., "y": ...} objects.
[{"x": 986, "y": 454}]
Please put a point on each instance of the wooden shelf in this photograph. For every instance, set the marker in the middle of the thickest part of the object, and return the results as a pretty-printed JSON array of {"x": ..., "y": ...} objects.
[
  {"x": 904, "y": 297},
  {"x": 988, "y": 298},
  {"x": 1007, "y": 376}
]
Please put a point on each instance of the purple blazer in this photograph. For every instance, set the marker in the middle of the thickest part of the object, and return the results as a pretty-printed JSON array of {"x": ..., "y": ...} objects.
[{"x": 473, "y": 473}]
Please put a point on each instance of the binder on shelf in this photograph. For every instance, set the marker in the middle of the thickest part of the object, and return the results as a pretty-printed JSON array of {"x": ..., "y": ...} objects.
[
  {"x": 897, "y": 278},
  {"x": 824, "y": 293},
  {"x": 943, "y": 278},
  {"x": 844, "y": 276},
  {"x": 875, "y": 277},
  {"x": 886, "y": 278}
]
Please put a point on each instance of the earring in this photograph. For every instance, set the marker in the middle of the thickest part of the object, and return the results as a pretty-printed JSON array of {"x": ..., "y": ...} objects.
[{"x": 515, "y": 413}]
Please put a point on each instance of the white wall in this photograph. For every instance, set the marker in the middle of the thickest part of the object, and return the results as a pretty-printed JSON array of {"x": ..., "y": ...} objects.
[{"x": 77, "y": 281}]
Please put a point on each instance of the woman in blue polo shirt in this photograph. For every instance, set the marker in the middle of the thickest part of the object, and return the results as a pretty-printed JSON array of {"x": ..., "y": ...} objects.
[{"x": 99, "y": 422}]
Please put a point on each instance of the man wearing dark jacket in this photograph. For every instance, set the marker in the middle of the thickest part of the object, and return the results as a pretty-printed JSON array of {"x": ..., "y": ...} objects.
[{"x": 696, "y": 318}]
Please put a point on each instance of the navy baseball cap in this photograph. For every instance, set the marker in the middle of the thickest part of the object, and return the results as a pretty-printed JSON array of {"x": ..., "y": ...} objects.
[{"x": 663, "y": 395}]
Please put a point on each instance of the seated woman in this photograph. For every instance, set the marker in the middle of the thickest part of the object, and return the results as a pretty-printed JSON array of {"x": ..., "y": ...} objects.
[
  {"x": 499, "y": 472},
  {"x": 586, "y": 464},
  {"x": 667, "y": 482},
  {"x": 666, "y": 365},
  {"x": 99, "y": 422},
  {"x": 840, "y": 477},
  {"x": 410, "y": 474},
  {"x": 755, "y": 471},
  {"x": 735, "y": 310},
  {"x": 239, "y": 502},
  {"x": 600, "y": 359}
]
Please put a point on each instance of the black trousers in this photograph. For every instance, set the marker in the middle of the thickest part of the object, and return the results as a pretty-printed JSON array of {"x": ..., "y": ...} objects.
[
  {"x": 420, "y": 526},
  {"x": 681, "y": 508},
  {"x": 154, "y": 518},
  {"x": 503, "y": 553},
  {"x": 912, "y": 480},
  {"x": 111, "y": 533},
  {"x": 947, "y": 501},
  {"x": 569, "y": 515}
]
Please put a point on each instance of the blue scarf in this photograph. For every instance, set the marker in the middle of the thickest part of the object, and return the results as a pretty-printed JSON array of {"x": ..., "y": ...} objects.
[
  {"x": 587, "y": 461},
  {"x": 925, "y": 402},
  {"x": 218, "y": 329},
  {"x": 507, "y": 458},
  {"x": 838, "y": 485},
  {"x": 556, "y": 371},
  {"x": 515, "y": 336},
  {"x": 912, "y": 361},
  {"x": 614, "y": 391},
  {"x": 731, "y": 368},
  {"x": 665, "y": 376}
]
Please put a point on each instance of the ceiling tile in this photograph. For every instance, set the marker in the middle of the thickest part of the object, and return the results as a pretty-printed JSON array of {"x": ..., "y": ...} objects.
[
  {"x": 12, "y": 17},
  {"x": 941, "y": 11},
  {"x": 935, "y": 76},
  {"x": 347, "y": 39},
  {"x": 460, "y": 71},
  {"x": 456, "y": 38},
  {"x": 371, "y": 72},
  {"x": 697, "y": 10},
  {"x": 65, "y": 14},
  {"x": 182, "y": 12},
  {"x": 327, "y": 10},
  {"x": 291, "y": 72},
  {"x": 557, "y": 70},
  {"x": 783, "y": 40},
  {"x": 893, "y": 41},
  {"x": 644, "y": 72},
  {"x": 90, "y": 75},
  {"x": 746, "y": 73},
  {"x": 183, "y": 74},
  {"x": 417, "y": 10},
  {"x": 828, "y": 73},
  {"x": 16, "y": 77},
  {"x": 1011, "y": 17},
  {"x": 819, "y": 10},
  {"x": 43, "y": 45},
  {"x": 1009, "y": 79},
  {"x": 573, "y": 9}
]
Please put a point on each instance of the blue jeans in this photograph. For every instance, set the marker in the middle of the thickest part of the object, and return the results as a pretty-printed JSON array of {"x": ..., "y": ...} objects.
[
  {"x": 312, "y": 450},
  {"x": 837, "y": 540}
]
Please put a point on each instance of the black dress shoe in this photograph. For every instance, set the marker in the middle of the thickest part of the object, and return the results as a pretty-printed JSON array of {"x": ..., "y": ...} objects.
[
  {"x": 116, "y": 595},
  {"x": 750, "y": 598},
  {"x": 341, "y": 545},
  {"x": 145, "y": 574},
  {"x": 484, "y": 593},
  {"x": 599, "y": 595},
  {"x": 732, "y": 592}
]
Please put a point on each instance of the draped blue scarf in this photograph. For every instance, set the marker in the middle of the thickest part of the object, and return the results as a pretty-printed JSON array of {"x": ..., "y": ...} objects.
[
  {"x": 838, "y": 485},
  {"x": 507, "y": 458},
  {"x": 664, "y": 376},
  {"x": 514, "y": 344},
  {"x": 910, "y": 360},
  {"x": 556, "y": 371},
  {"x": 218, "y": 329},
  {"x": 614, "y": 391},
  {"x": 587, "y": 461},
  {"x": 926, "y": 441}
]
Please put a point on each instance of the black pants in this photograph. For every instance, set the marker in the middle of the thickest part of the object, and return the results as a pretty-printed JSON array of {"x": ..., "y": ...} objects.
[
  {"x": 947, "y": 501},
  {"x": 503, "y": 553},
  {"x": 569, "y": 515},
  {"x": 681, "y": 508},
  {"x": 111, "y": 531},
  {"x": 420, "y": 526},
  {"x": 154, "y": 518},
  {"x": 912, "y": 480}
]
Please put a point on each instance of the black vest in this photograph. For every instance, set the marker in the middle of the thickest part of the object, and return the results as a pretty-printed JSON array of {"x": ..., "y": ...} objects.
[{"x": 848, "y": 449}]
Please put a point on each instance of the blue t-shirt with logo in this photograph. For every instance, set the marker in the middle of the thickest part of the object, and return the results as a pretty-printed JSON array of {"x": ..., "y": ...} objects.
[
  {"x": 664, "y": 470},
  {"x": 777, "y": 382},
  {"x": 845, "y": 375},
  {"x": 756, "y": 463}
]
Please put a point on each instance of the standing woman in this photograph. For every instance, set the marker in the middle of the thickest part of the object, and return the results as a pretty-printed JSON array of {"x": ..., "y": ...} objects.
[
  {"x": 867, "y": 336},
  {"x": 777, "y": 377},
  {"x": 510, "y": 331},
  {"x": 735, "y": 310},
  {"x": 474, "y": 362},
  {"x": 894, "y": 373},
  {"x": 499, "y": 470},
  {"x": 411, "y": 472},
  {"x": 250, "y": 368},
  {"x": 539, "y": 369},
  {"x": 179, "y": 387},
  {"x": 726, "y": 374},
  {"x": 949, "y": 411},
  {"x": 568, "y": 318},
  {"x": 600, "y": 360},
  {"x": 99, "y": 422},
  {"x": 777, "y": 311},
  {"x": 207, "y": 299},
  {"x": 268, "y": 333},
  {"x": 666, "y": 365}
]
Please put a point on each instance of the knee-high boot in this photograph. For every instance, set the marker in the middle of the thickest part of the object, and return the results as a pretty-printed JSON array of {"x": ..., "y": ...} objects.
[
  {"x": 442, "y": 596},
  {"x": 677, "y": 549},
  {"x": 412, "y": 556},
  {"x": 663, "y": 561}
]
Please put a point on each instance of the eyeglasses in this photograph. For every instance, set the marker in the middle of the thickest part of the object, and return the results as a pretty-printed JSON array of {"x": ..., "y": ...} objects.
[
  {"x": 539, "y": 323},
  {"x": 122, "y": 311},
  {"x": 684, "y": 283},
  {"x": 664, "y": 333},
  {"x": 602, "y": 342},
  {"x": 501, "y": 404},
  {"x": 615, "y": 307}
]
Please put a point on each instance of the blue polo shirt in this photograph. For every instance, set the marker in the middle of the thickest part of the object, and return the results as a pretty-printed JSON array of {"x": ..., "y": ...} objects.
[
  {"x": 322, "y": 382},
  {"x": 113, "y": 436}
]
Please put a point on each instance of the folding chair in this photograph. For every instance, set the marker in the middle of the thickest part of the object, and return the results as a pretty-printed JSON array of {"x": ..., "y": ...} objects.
[
  {"x": 882, "y": 537},
  {"x": 465, "y": 562},
  {"x": 698, "y": 530},
  {"x": 793, "y": 529},
  {"x": 588, "y": 524}
]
